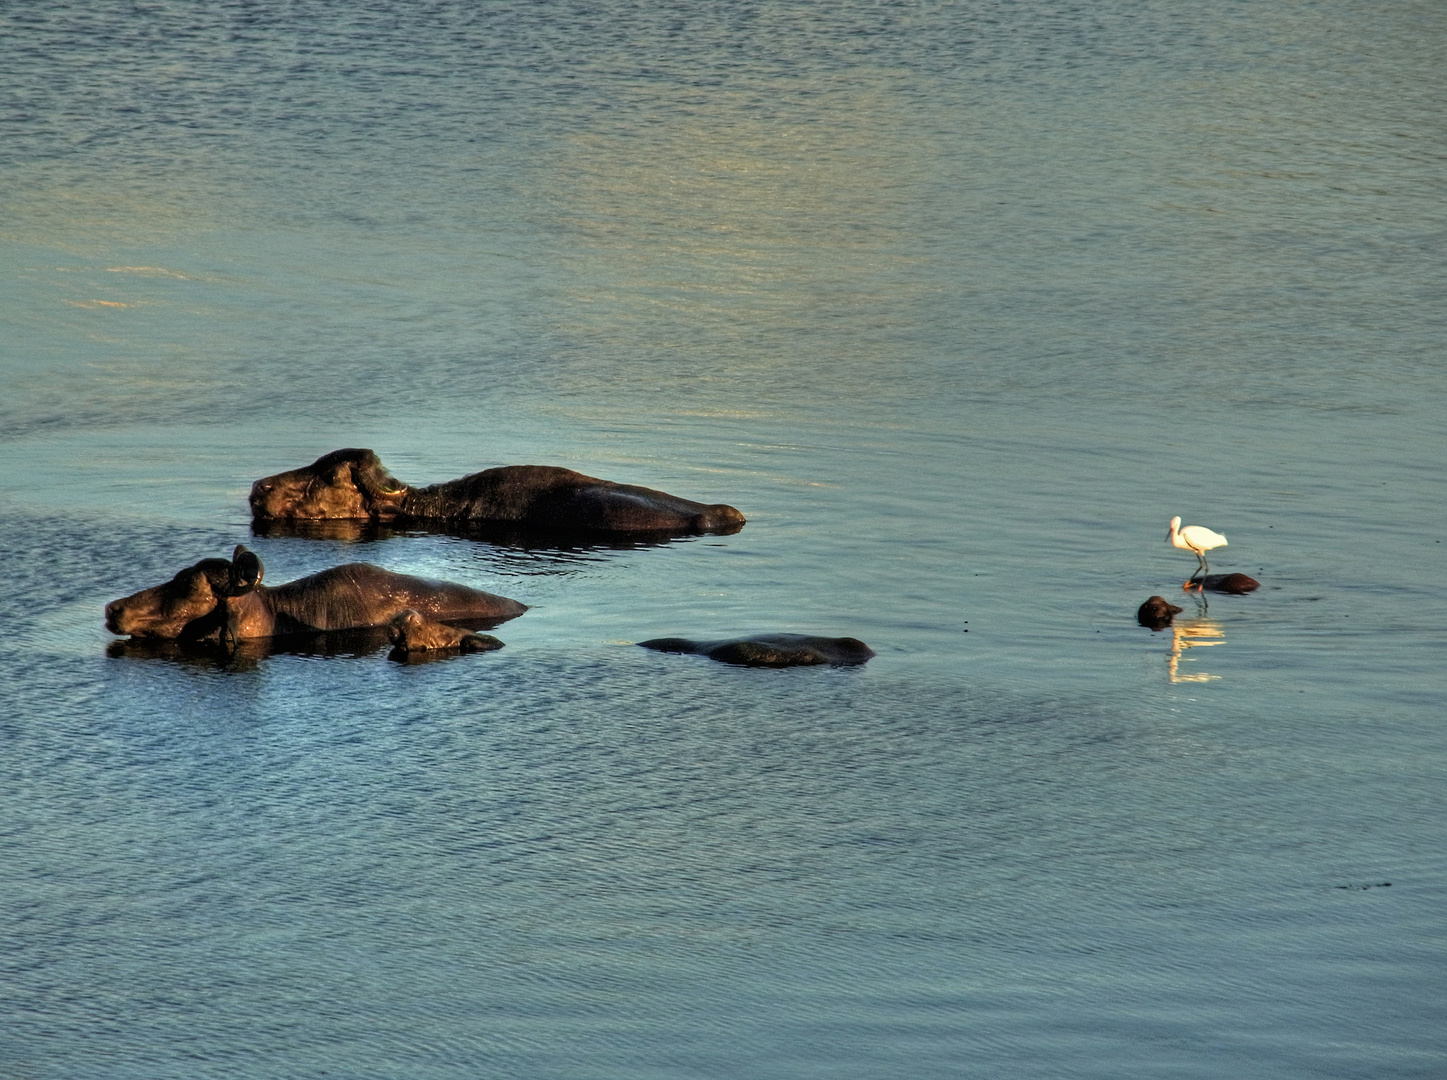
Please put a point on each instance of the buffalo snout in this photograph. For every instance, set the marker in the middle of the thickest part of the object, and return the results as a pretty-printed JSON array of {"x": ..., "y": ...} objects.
[{"x": 719, "y": 518}]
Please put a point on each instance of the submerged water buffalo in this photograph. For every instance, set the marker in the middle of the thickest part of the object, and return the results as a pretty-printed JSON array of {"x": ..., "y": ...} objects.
[
  {"x": 352, "y": 485},
  {"x": 412, "y": 632},
  {"x": 224, "y": 599},
  {"x": 771, "y": 650}
]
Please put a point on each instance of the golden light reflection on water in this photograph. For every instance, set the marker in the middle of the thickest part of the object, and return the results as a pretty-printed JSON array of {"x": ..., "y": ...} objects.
[
  {"x": 1192, "y": 634},
  {"x": 92, "y": 213},
  {"x": 741, "y": 218},
  {"x": 148, "y": 271}
]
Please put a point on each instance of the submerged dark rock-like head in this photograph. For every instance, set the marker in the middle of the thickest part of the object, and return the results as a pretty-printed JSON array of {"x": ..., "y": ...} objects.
[
  {"x": 345, "y": 484},
  {"x": 1157, "y": 613}
]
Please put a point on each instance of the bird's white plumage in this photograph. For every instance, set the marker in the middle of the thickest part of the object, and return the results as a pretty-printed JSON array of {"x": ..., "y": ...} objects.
[{"x": 1197, "y": 539}]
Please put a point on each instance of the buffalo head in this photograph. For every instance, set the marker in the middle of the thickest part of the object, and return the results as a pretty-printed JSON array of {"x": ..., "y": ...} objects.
[
  {"x": 347, "y": 484},
  {"x": 179, "y": 608}
]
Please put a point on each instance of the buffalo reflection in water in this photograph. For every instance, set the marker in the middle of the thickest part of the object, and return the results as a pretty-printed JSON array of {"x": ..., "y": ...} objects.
[
  {"x": 531, "y": 540},
  {"x": 248, "y": 653}
]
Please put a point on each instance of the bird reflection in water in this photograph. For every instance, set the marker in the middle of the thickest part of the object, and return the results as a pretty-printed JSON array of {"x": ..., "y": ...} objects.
[{"x": 1192, "y": 634}]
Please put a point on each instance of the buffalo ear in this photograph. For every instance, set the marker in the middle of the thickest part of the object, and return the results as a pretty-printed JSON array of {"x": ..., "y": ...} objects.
[
  {"x": 246, "y": 571},
  {"x": 374, "y": 480}
]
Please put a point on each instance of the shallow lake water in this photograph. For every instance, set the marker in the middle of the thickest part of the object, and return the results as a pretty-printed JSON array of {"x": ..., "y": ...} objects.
[{"x": 959, "y": 304}]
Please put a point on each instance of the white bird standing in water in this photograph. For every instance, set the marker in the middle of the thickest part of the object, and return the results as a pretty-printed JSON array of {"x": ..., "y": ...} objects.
[{"x": 1197, "y": 539}]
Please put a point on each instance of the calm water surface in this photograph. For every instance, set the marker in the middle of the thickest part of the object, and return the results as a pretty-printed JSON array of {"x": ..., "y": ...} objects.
[{"x": 959, "y": 303}]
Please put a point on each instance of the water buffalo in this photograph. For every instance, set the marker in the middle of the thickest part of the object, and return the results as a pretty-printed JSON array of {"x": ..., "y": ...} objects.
[
  {"x": 352, "y": 485},
  {"x": 771, "y": 650},
  {"x": 1156, "y": 613},
  {"x": 224, "y": 598},
  {"x": 412, "y": 632}
]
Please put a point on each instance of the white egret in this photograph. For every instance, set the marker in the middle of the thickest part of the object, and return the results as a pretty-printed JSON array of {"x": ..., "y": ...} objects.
[{"x": 1197, "y": 539}]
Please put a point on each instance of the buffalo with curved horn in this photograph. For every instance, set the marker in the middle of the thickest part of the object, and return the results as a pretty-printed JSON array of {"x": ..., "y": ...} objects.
[{"x": 225, "y": 599}]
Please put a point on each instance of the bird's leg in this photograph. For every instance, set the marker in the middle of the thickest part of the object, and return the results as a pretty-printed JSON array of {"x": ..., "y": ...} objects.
[{"x": 1201, "y": 568}]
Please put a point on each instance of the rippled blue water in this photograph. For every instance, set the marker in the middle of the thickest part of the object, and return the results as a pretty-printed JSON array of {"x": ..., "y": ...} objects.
[{"x": 959, "y": 303}]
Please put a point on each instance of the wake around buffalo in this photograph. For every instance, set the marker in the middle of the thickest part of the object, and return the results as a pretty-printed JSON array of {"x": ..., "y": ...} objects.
[
  {"x": 353, "y": 485},
  {"x": 223, "y": 600}
]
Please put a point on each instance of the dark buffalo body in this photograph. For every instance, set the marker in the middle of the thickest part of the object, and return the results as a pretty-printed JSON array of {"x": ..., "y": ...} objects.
[
  {"x": 771, "y": 650},
  {"x": 357, "y": 595},
  {"x": 353, "y": 485},
  {"x": 1236, "y": 584}
]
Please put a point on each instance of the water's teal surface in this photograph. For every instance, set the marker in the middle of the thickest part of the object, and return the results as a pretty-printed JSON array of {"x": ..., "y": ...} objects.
[{"x": 959, "y": 303}]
